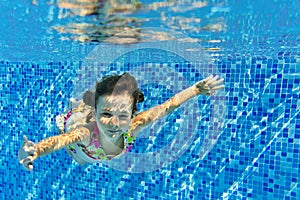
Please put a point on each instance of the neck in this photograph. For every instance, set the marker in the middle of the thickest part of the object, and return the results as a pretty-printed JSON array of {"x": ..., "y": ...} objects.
[{"x": 113, "y": 139}]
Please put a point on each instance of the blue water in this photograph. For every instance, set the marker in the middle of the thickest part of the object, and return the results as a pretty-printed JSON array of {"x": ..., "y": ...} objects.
[{"x": 241, "y": 144}]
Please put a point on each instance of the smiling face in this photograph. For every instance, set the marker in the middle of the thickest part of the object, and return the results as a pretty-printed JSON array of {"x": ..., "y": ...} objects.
[{"x": 113, "y": 114}]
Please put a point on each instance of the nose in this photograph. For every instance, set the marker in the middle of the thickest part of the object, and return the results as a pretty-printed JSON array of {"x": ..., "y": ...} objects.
[{"x": 114, "y": 122}]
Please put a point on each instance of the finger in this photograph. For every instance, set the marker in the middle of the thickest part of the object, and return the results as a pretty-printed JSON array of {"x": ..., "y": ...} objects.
[
  {"x": 31, "y": 152},
  {"x": 211, "y": 92},
  {"x": 28, "y": 159},
  {"x": 25, "y": 140},
  {"x": 28, "y": 148},
  {"x": 208, "y": 78},
  {"x": 213, "y": 79},
  {"x": 25, "y": 160},
  {"x": 217, "y": 82},
  {"x": 30, "y": 144},
  {"x": 204, "y": 81},
  {"x": 218, "y": 87},
  {"x": 30, "y": 166}
]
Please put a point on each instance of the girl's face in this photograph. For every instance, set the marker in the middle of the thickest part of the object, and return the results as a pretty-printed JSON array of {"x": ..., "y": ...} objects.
[{"x": 113, "y": 114}]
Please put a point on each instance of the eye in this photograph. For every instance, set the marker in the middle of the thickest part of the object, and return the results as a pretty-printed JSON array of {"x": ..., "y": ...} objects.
[
  {"x": 106, "y": 114},
  {"x": 123, "y": 117}
]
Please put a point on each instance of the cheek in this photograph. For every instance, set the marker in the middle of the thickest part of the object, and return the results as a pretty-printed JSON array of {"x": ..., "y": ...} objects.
[
  {"x": 125, "y": 123},
  {"x": 103, "y": 120}
]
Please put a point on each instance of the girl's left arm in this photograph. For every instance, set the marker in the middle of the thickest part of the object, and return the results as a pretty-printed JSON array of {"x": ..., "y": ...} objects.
[
  {"x": 29, "y": 151},
  {"x": 207, "y": 87}
]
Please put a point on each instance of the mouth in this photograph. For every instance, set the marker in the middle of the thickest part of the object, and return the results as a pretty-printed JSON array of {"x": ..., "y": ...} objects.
[{"x": 113, "y": 132}]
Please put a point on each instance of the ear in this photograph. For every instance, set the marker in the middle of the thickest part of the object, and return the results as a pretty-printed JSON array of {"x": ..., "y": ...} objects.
[
  {"x": 139, "y": 94},
  {"x": 141, "y": 97}
]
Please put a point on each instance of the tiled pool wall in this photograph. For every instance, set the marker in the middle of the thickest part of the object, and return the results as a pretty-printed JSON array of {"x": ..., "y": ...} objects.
[{"x": 255, "y": 157}]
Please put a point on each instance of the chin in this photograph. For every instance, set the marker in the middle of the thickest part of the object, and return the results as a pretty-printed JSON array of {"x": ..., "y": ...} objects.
[{"x": 111, "y": 135}]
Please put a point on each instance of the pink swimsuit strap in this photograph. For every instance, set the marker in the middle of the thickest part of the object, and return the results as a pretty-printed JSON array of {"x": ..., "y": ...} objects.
[
  {"x": 96, "y": 132},
  {"x": 95, "y": 135}
]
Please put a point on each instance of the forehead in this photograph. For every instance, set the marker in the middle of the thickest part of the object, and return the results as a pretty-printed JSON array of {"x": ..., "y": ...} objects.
[{"x": 120, "y": 103}]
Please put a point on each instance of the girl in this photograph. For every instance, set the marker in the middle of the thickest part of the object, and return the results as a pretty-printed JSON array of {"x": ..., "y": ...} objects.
[{"x": 104, "y": 124}]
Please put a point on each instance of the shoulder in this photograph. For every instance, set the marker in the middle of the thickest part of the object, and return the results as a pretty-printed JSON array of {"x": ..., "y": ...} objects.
[
  {"x": 140, "y": 117},
  {"x": 139, "y": 121},
  {"x": 88, "y": 126}
]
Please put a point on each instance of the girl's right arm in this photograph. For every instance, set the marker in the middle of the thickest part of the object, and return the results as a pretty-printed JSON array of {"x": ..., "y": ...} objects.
[
  {"x": 206, "y": 87},
  {"x": 30, "y": 151}
]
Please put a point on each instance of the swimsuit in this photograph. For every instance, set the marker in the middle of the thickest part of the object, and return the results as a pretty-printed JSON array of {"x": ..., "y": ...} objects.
[{"x": 94, "y": 151}]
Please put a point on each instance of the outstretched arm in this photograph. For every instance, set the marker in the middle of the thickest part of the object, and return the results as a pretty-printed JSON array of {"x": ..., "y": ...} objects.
[
  {"x": 207, "y": 87},
  {"x": 30, "y": 151}
]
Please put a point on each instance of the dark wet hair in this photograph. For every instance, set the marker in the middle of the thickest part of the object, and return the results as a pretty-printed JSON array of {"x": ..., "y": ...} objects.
[{"x": 115, "y": 84}]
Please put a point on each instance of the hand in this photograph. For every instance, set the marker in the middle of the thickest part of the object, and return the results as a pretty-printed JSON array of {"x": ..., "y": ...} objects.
[
  {"x": 210, "y": 85},
  {"x": 27, "y": 154}
]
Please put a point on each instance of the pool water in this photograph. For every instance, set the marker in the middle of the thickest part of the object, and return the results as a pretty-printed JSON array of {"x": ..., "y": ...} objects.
[{"x": 241, "y": 144}]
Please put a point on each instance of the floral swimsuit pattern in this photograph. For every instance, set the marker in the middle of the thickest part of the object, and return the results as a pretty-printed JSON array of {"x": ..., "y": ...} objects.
[{"x": 95, "y": 150}]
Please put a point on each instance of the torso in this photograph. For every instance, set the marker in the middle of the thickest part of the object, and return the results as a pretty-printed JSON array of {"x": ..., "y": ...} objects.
[
  {"x": 99, "y": 147},
  {"x": 91, "y": 149},
  {"x": 108, "y": 146}
]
